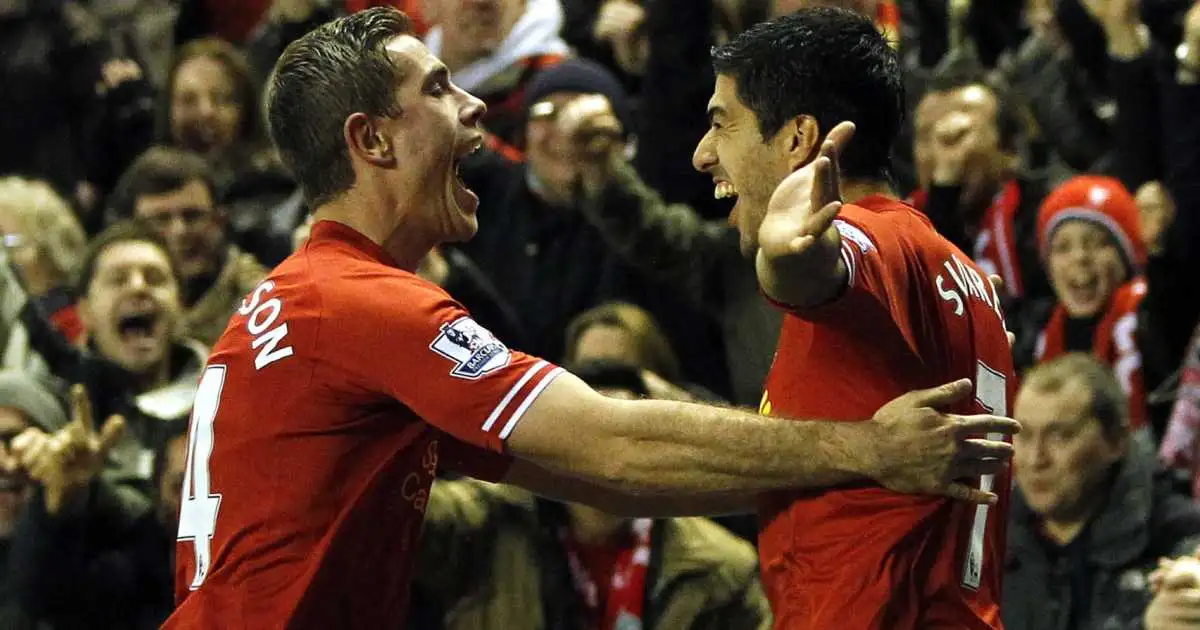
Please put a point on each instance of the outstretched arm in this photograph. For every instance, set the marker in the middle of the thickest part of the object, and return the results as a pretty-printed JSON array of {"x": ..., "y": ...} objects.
[
  {"x": 566, "y": 488},
  {"x": 650, "y": 447}
]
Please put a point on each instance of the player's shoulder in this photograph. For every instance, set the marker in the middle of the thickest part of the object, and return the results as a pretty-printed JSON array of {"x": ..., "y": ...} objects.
[
  {"x": 887, "y": 225},
  {"x": 359, "y": 283}
]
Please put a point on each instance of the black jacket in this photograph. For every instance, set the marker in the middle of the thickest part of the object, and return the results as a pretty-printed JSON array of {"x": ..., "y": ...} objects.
[
  {"x": 109, "y": 567},
  {"x": 1102, "y": 576}
]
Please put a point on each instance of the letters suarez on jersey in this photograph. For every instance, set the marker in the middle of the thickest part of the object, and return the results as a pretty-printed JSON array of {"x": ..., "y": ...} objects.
[{"x": 917, "y": 312}]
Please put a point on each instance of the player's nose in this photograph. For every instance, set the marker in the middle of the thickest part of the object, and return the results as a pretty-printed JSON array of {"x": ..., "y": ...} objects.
[
  {"x": 472, "y": 110},
  {"x": 704, "y": 158}
]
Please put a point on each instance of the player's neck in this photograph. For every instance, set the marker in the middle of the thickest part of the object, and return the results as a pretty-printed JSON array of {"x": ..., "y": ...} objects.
[
  {"x": 854, "y": 190},
  {"x": 375, "y": 218}
]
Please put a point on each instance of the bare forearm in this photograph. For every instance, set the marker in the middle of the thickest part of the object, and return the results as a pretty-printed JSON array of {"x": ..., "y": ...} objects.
[
  {"x": 572, "y": 489},
  {"x": 804, "y": 280},
  {"x": 672, "y": 447}
]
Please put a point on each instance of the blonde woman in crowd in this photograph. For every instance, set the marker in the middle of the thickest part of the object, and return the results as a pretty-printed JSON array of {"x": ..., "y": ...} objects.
[{"x": 45, "y": 241}]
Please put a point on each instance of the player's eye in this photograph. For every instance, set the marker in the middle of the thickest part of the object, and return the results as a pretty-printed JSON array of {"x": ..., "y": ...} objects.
[{"x": 437, "y": 88}]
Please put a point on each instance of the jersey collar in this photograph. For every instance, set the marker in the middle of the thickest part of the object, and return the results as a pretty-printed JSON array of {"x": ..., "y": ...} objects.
[{"x": 327, "y": 231}]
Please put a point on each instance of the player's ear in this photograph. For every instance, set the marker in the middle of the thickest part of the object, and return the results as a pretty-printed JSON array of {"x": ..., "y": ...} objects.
[
  {"x": 802, "y": 140},
  {"x": 367, "y": 141}
]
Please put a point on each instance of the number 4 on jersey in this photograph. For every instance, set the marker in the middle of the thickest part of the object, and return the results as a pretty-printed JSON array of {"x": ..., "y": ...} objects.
[{"x": 199, "y": 506}]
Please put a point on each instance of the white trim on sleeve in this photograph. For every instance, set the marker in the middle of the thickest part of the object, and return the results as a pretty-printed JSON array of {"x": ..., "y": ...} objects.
[
  {"x": 512, "y": 393},
  {"x": 537, "y": 390}
]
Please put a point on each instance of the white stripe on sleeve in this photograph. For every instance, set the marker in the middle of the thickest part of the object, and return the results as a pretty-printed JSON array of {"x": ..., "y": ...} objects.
[
  {"x": 516, "y": 417},
  {"x": 495, "y": 415}
]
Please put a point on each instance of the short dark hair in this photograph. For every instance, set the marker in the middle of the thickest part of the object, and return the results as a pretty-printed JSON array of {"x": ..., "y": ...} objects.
[
  {"x": 321, "y": 79},
  {"x": 963, "y": 71},
  {"x": 1108, "y": 406},
  {"x": 158, "y": 170},
  {"x": 128, "y": 231},
  {"x": 605, "y": 374},
  {"x": 831, "y": 64}
]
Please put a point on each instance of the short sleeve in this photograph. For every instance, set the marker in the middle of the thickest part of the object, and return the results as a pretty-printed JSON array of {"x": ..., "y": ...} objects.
[{"x": 405, "y": 338}]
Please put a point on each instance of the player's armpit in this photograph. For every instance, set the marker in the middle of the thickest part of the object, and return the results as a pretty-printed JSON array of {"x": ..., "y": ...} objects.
[{"x": 565, "y": 488}]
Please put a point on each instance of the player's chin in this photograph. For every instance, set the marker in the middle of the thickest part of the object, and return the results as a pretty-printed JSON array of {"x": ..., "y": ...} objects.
[{"x": 461, "y": 223}]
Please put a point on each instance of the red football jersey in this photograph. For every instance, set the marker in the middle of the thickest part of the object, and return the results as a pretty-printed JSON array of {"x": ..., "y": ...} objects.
[
  {"x": 338, "y": 389},
  {"x": 917, "y": 313}
]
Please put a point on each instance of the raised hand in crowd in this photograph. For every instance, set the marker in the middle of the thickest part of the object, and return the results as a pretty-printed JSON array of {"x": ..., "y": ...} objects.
[
  {"x": 1120, "y": 20},
  {"x": 1187, "y": 55},
  {"x": 292, "y": 11},
  {"x": 955, "y": 138},
  {"x": 115, "y": 72},
  {"x": 1176, "y": 603},
  {"x": 66, "y": 462},
  {"x": 865, "y": 7},
  {"x": 619, "y": 22},
  {"x": 593, "y": 137}
]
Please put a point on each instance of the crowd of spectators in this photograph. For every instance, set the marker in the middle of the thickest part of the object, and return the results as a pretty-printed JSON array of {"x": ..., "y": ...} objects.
[{"x": 1057, "y": 142}]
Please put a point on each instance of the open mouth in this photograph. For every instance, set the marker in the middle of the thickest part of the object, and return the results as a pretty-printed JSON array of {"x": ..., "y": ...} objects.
[
  {"x": 1084, "y": 288},
  {"x": 138, "y": 326},
  {"x": 463, "y": 195}
]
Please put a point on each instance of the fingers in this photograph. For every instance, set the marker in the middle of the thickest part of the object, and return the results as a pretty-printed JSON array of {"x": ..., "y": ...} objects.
[
  {"x": 974, "y": 468},
  {"x": 34, "y": 452},
  {"x": 111, "y": 433},
  {"x": 943, "y": 395},
  {"x": 814, "y": 226},
  {"x": 978, "y": 448},
  {"x": 25, "y": 440},
  {"x": 963, "y": 492},
  {"x": 81, "y": 408},
  {"x": 822, "y": 169},
  {"x": 840, "y": 135},
  {"x": 985, "y": 424},
  {"x": 998, "y": 282},
  {"x": 829, "y": 185},
  {"x": 1012, "y": 338}
]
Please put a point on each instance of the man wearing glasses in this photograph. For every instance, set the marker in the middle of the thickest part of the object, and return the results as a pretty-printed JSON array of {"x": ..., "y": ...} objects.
[{"x": 172, "y": 190}]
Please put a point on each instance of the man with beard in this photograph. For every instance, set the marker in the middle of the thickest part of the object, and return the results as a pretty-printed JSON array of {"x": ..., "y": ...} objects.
[
  {"x": 338, "y": 392},
  {"x": 876, "y": 302}
]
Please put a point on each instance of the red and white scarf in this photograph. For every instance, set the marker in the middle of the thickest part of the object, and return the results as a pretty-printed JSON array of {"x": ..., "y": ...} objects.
[
  {"x": 995, "y": 247},
  {"x": 627, "y": 589}
]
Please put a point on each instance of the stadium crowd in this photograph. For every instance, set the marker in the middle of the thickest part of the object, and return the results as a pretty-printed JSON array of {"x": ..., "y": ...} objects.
[{"x": 1054, "y": 141}]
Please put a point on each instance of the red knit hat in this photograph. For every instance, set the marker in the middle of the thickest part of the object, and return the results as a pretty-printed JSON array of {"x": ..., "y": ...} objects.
[{"x": 1102, "y": 201}]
